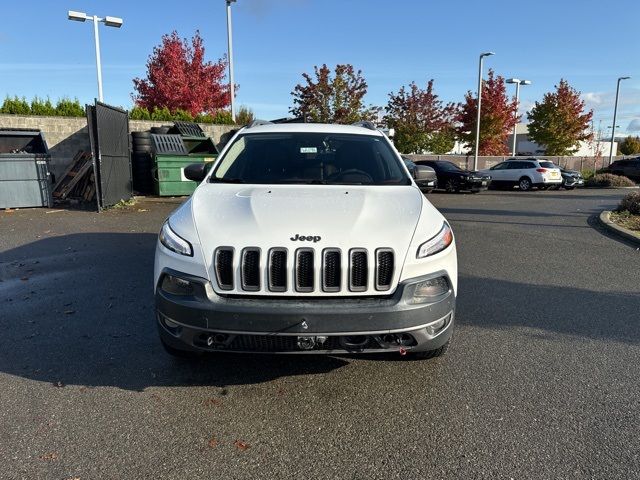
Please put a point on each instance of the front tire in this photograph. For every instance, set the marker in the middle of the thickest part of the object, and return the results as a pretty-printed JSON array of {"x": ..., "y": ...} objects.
[
  {"x": 525, "y": 184},
  {"x": 451, "y": 186}
]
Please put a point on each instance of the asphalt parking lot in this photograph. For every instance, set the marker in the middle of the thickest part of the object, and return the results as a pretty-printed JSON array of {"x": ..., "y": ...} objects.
[{"x": 542, "y": 380}]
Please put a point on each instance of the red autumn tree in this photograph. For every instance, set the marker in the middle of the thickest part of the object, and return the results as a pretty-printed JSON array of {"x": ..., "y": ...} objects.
[
  {"x": 560, "y": 122},
  {"x": 497, "y": 117},
  {"x": 337, "y": 99},
  {"x": 179, "y": 78},
  {"x": 420, "y": 120}
]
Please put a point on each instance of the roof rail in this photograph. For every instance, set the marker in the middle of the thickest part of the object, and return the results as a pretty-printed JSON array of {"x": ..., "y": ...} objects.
[
  {"x": 365, "y": 124},
  {"x": 256, "y": 123}
]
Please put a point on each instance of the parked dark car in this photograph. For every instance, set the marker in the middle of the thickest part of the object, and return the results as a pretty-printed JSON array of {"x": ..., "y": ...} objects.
[
  {"x": 428, "y": 180},
  {"x": 571, "y": 179},
  {"x": 629, "y": 167},
  {"x": 454, "y": 179}
]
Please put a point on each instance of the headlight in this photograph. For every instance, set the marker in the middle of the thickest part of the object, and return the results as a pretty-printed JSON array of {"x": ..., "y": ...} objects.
[
  {"x": 438, "y": 243},
  {"x": 173, "y": 242}
]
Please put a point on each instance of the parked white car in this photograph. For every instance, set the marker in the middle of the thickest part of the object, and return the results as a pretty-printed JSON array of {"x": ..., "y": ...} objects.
[
  {"x": 306, "y": 238},
  {"x": 524, "y": 173}
]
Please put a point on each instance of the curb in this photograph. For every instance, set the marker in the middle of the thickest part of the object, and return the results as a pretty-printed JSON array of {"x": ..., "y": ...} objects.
[{"x": 617, "y": 229}]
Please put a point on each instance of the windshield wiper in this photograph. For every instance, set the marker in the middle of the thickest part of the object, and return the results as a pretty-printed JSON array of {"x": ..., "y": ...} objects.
[{"x": 226, "y": 180}]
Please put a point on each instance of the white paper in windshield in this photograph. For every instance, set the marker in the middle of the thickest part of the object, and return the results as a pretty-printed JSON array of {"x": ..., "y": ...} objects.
[{"x": 308, "y": 149}]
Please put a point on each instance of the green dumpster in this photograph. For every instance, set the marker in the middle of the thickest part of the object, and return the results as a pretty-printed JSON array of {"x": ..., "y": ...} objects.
[{"x": 172, "y": 153}]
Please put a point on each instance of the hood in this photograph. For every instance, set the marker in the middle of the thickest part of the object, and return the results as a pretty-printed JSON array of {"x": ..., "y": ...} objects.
[{"x": 337, "y": 216}]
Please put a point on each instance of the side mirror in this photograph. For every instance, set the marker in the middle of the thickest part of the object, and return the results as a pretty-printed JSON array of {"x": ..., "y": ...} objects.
[
  {"x": 422, "y": 172},
  {"x": 196, "y": 171}
]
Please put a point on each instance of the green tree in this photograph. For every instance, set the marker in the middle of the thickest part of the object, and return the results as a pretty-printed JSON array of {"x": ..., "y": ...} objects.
[
  {"x": 15, "y": 106},
  {"x": 332, "y": 99},
  {"x": 66, "y": 107},
  {"x": 559, "y": 122},
  {"x": 630, "y": 146},
  {"x": 420, "y": 120},
  {"x": 244, "y": 116},
  {"x": 42, "y": 107},
  {"x": 139, "y": 113}
]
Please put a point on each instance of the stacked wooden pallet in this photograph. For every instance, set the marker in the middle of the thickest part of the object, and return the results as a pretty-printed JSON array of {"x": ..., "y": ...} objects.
[{"x": 78, "y": 181}]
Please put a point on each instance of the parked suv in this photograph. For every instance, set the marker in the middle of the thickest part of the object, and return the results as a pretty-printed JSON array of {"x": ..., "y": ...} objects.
[
  {"x": 306, "y": 238},
  {"x": 525, "y": 174},
  {"x": 629, "y": 167}
]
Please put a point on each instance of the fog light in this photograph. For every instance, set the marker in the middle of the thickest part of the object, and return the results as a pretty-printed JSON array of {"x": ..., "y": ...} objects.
[
  {"x": 176, "y": 285},
  {"x": 429, "y": 290},
  {"x": 435, "y": 327}
]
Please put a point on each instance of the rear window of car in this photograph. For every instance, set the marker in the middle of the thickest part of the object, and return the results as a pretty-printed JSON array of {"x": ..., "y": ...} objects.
[{"x": 548, "y": 165}]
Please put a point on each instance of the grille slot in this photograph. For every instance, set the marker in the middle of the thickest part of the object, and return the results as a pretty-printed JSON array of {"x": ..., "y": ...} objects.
[
  {"x": 278, "y": 270},
  {"x": 305, "y": 271},
  {"x": 331, "y": 270},
  {"x": 223, "y": 260},
  {"x": 359, "y": 272},
  {"x": 250, "y": 270},
  {"x": 385, "y": 264}
]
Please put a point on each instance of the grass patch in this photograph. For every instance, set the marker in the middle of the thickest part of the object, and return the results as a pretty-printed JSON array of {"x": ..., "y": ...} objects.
[
  {"x": 123, "y": 204},
  {"x": 626, "y": 220}
]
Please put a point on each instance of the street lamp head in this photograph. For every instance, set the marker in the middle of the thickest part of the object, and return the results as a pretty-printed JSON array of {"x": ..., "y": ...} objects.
[
  {"x": 77, "y": 16},
  {"x": 487, "y": 54},
  {"x": 113, "y": 22},
  {"x": 624, "y": 78},
  {"x": 512, "y": 80},
  {"x": 525, "y": 82},
  {"x": 229, "y": 2}
]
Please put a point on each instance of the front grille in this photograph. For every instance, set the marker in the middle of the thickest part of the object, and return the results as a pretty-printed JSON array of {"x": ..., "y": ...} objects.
[
  {"x": 327, "y": 271},
  {"x": 251, "y": 269},
  {"x": 359, "y": 270},
  {"x": 331, "y": 270},
  {"x": 304, "y": 270},
  {"x": 224, "y": 267},
  {"x": 278, "y": 270},
  {"x": 384, "y": 269},
  {"x": 275, "y": 343}
]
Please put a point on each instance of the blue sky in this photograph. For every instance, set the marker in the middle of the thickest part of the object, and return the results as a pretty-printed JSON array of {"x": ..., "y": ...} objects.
[{"x": 393, "y": 42}]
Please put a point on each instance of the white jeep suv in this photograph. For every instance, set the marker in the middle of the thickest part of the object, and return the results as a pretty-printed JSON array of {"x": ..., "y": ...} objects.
[
  {"x": 306, "y": 238},
  {"x": 524, "y": 173}
]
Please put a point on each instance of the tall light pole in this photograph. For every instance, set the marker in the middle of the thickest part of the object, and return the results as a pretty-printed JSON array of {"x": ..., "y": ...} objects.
[
  {"x": 232, "y": 86},
  {"x": 518, "y": 82},
  {"x": 615, "y": 112},
  {"x": 475, "y": 156},
  {"x": 109, "y": 22}
]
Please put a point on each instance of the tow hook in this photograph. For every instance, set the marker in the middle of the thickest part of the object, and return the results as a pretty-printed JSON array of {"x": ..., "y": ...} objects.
[{"x": 402, "y": 351}]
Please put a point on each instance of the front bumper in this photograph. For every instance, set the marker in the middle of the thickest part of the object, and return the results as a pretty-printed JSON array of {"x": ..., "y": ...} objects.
[
  {"x": 208, "y": 322},
  {"x": 475, "y": 184}
]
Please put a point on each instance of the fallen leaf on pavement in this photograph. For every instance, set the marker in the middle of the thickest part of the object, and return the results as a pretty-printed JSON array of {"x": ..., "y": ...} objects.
[
  {"x": 212, "y": 402},
  {"x": 240, "y": 445},
  {"x": 49, "y": 456},
  {"x": 58, "y": 384},
  {"x": 213, "y": 443}
]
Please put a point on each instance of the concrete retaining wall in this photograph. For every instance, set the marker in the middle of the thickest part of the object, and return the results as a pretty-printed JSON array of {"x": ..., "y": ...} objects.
[{"x": 66, "y": 135}]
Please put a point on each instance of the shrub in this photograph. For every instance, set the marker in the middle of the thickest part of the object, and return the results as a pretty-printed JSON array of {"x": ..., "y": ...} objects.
[
  {"x": 139, "y": 113},
  {"x": 631, "y": 203},
  {"x": 182, "y": 115},
  {"x": 244, "y": 116},
  {"x": 203, "y": 118},
  {"x": 42, "y": 107},
  {"x": 15, "y": 106},
  {"x": 587, "y": 174},
  {"x": 161, "y": 114},
  {"x": 222, "y": 117},
  {"x": 609, "y": 180},
  {"x": 69, "y": 108}
]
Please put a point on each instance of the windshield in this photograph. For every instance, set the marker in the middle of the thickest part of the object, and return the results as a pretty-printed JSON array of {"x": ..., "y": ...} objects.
[
  {"x": 448, "y": 166},
  {"x": 308, "y": 158}
]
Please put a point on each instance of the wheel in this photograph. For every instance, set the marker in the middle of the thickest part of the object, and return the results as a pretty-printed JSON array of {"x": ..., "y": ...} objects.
[
  {"x": 451, "y": 186},
  {"x": 177, "y": 353},
  {"x": 525, "y": 184},
  {"x": 438, "y": 352}
]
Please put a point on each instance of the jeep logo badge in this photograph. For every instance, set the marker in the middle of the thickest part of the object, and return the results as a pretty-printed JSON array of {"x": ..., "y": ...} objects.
[{"x": 307, "y": 238}]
